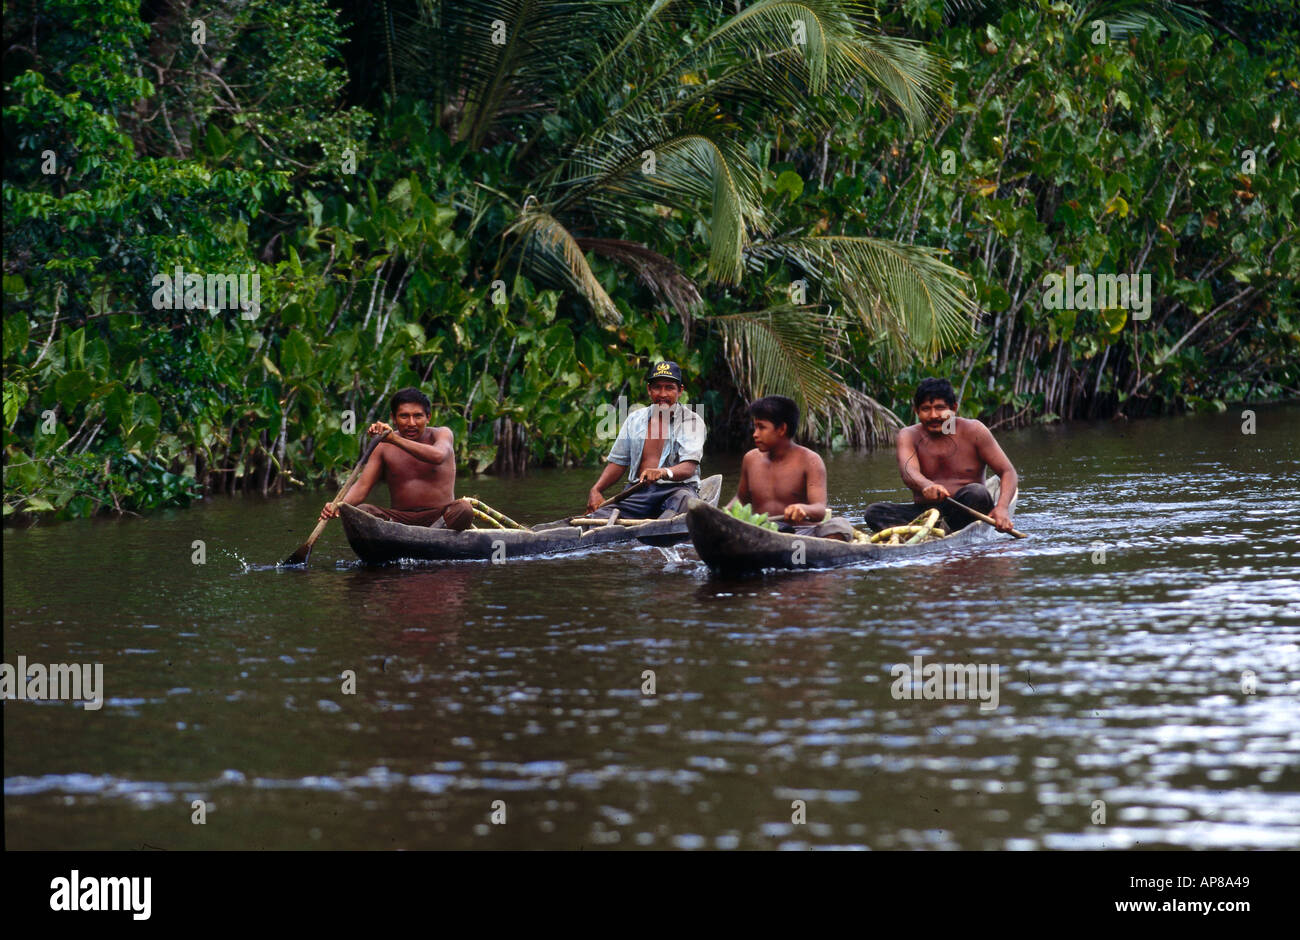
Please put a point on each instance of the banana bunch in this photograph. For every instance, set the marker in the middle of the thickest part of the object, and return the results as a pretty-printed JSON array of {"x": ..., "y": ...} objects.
[{"x": 745, "y": 513}]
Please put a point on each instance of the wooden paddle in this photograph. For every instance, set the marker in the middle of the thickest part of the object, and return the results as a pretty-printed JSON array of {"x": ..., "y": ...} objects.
[
  {"x": 300, "y": 556},
  {"x": 566, "y": 521},
  {"x": 979, "y": 515},
  {"x": 634, "y": 488}
]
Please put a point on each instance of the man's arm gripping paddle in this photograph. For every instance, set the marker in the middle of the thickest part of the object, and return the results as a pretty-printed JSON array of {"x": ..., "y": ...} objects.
[
  {"x": 979, "y": 515},
  {"x": 304, "y": 550}
]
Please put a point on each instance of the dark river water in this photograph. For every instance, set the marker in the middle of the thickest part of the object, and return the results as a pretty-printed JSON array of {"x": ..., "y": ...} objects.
[{"x": 1147, "y": 640}]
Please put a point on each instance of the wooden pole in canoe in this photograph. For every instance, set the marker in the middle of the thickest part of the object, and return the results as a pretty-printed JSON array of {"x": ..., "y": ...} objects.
[
  {"x": 504, "y": 521},
  {"x": 304, "y": 550},
  {"x": 979, "y": 515},
  {"x": 568, "y": 520},
  {"x": 481, "y": 516},
  {"x": 599, "y": 522}
]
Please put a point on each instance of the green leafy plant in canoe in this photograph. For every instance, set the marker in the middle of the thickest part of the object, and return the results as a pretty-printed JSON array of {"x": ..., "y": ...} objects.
[{"x": 745, "y": 513}]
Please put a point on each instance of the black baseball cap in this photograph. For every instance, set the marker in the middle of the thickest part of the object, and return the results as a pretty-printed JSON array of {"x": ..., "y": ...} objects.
[{"x": 665, "y": 370}]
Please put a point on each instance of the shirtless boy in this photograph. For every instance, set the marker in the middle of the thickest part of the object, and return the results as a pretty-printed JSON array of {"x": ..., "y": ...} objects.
[
  {"x": 944, "y": 456},
  {"x": 784, "y": 479},
  {"x": 418, "y": 464}
]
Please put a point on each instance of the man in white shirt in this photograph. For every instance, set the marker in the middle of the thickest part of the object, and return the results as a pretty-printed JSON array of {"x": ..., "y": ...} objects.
[{"x": 660, "y": 444}]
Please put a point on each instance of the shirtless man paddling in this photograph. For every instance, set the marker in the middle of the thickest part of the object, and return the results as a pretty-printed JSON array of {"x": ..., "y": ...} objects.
[
  {"x": 419, "y": 465},
  {"x": 944, "y": 456}
]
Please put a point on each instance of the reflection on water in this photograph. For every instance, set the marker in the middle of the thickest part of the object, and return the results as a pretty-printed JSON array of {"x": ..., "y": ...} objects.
[{"x": 1161, "y": 583}]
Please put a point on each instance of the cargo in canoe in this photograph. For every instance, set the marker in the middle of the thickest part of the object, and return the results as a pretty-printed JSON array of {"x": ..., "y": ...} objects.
[
  {"x": 377, "y": 541},
  {"x": 732, "y": 547}
]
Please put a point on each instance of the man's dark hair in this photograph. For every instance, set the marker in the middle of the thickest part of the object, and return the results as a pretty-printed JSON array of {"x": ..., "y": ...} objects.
[
  {"x": 779, "y": 410},
  {"x": 411, "y": 396},
  {"x": 930, "y": 389}
]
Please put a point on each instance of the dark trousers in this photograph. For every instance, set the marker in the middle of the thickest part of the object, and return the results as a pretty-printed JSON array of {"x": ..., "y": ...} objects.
[
  {"x": 656, "y": 501},
  {"x": 836, "y": 527},
  {"x": 458, "y": 515},
  {"x": 975, "y": 495}
]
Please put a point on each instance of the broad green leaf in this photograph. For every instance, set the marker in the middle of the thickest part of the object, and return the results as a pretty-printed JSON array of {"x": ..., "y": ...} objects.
[
  {"x": 98, "y": 360},
  {"x": 15, "y": 333},
  {"x": 789, "y": 182},
  {"x": 116, "y": 409},
  {"x": 145, "y": 411},
  {"x": 296, "y": 354},
  {"x": 100, "y": 300},
  {"x": 74, "y": 348},
  {"x": 400, "y": 195},
  {"x": 15, "y": 396},
  {"x": 146, "y": 416},
  {"x": 997, "y": 298},
  {"x": 74, "y": 388},
  {"x": 1113, "y": 319},
  {"x": 15, "y": 287}
]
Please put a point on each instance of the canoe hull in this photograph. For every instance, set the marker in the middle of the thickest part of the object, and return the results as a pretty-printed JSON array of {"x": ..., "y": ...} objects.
[
  {"x": 731, "y": 547},
  {"x": 377, "y": 541}
]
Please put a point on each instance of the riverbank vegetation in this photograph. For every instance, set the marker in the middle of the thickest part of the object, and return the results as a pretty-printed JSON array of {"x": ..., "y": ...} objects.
[{"x": 516, "y": 206}]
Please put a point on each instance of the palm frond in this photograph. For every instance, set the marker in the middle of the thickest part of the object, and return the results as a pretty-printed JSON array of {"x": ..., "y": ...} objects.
[
  {"x": 900, "y": 70},
  {"x": 903, "y": 70},
  {"x": 903, "y": 292},
  {"x": 657, "y": 273},
  {"x": 804, "y": 26},
  {"x": 489, "y": 59},
  {"x": 704, "y": 166},
  {"x": 550, "y": 251},
  {"x": 783, "y": 53},
  {"x": 1126, "y": 17},
  {"x": 634, "y": 29},
  {"x": 781, "y": 350}
]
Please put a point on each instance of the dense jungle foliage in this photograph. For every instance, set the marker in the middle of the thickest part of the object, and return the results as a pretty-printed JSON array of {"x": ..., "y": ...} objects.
[{"x": 516, "y": 205}]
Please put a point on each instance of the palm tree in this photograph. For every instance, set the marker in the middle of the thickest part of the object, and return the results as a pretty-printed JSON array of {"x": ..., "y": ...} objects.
[{"x": 614, "y": 116}]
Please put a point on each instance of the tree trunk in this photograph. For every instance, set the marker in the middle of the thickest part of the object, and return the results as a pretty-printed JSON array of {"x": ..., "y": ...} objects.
[{"x": 512, "y": 448}]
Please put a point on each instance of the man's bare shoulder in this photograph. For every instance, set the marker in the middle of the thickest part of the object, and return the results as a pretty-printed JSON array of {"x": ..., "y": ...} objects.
[
  {"x": 907, "y": 434},
  {"x": 972, "y": 428},
  {"x": 434, "y": 435},
  {"x": 809, "y": 457},
  {"x": 751, "y": 456}
]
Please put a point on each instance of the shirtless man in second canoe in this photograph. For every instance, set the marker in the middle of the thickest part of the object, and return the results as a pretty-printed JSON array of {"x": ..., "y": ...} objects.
[
  {"x": 418, "y": 464},
  {"x": 784, "y": 479},
  {"x": 943, "y": 456}
]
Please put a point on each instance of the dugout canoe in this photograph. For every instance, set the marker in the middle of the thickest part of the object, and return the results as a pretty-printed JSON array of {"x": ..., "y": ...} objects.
[
  {"x": 377, "y": 541},
  {"x": 732, "y": 547}
]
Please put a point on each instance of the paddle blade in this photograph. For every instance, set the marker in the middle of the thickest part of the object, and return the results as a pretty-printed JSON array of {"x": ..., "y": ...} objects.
[{"x": 299, "y": 557}]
